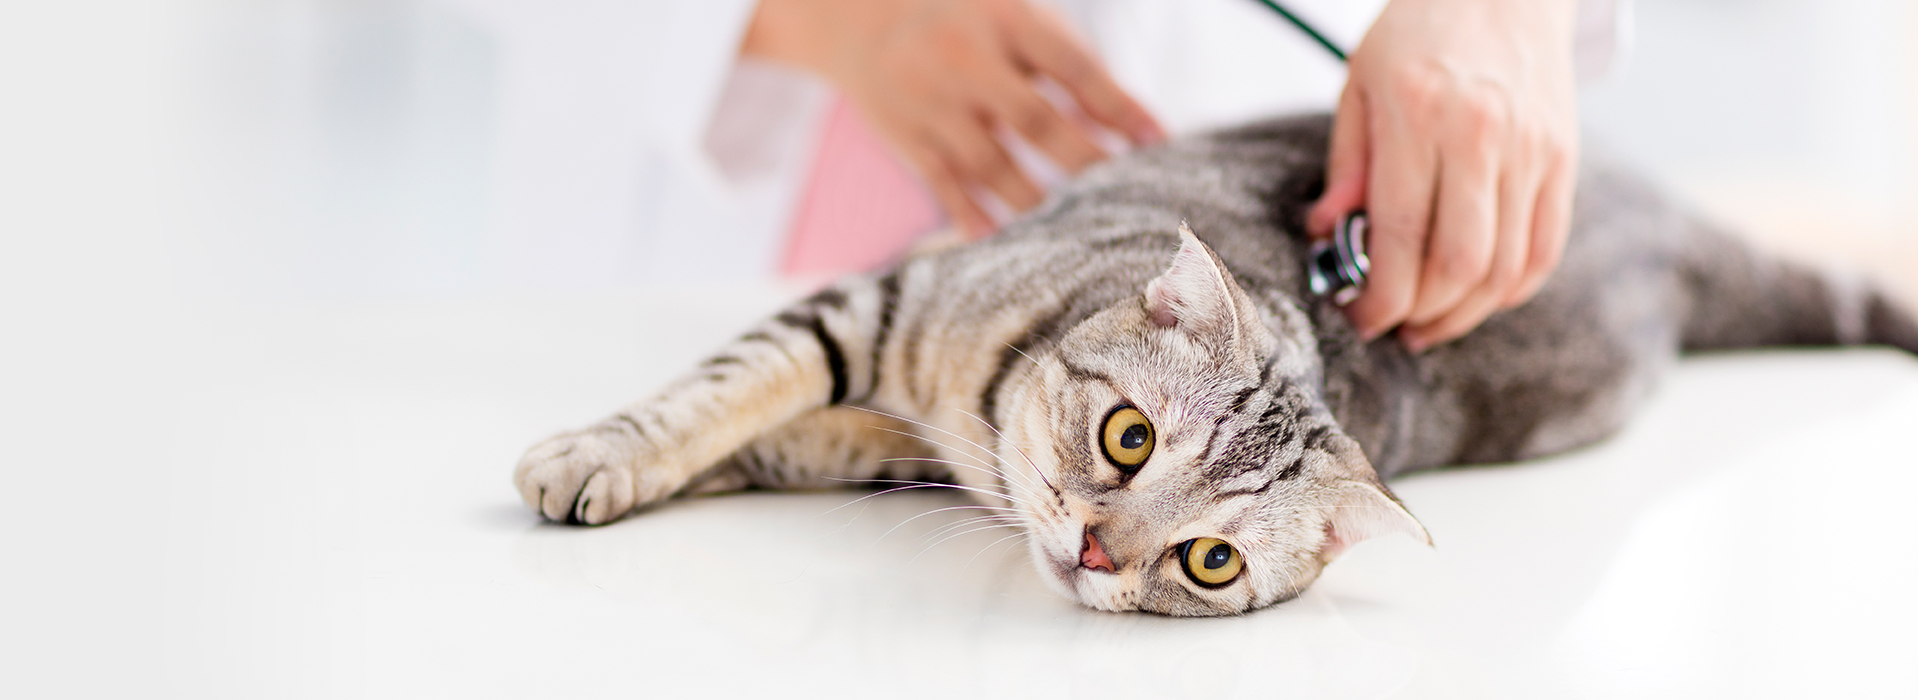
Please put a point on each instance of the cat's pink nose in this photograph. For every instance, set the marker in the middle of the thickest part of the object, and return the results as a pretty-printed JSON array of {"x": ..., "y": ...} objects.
[{"x": 1094, "y": 556}]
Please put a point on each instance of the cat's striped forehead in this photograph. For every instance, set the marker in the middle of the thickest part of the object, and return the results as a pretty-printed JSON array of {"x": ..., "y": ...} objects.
[{"x": 1228, "y": 451}]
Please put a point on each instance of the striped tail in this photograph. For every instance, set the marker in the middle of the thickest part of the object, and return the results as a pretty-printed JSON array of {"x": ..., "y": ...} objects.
[{"x": 1741, "y": 297}]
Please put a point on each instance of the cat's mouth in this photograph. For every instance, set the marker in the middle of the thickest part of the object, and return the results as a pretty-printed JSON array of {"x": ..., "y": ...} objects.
[
  {"x": 1093, "y": 578},
  {"x": 1081, "y": 574}
]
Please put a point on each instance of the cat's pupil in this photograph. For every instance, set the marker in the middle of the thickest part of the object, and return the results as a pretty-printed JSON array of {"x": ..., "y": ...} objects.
[
  {"x": 1133, "y": 438},
  {"x": 1219, "y": 555}
]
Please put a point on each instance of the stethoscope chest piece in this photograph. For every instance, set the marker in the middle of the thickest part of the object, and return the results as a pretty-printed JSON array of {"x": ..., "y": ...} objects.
[{"x": 1338, "y": 266}]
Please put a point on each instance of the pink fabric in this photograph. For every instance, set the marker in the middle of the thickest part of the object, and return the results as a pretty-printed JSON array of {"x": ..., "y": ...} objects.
[{"x": 861, "y": 207}]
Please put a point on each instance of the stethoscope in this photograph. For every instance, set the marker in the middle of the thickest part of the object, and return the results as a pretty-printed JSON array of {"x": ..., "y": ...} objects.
[{"x": 1338, "y": 266}]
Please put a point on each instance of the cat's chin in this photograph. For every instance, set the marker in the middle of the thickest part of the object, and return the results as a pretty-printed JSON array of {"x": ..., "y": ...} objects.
[{"x": 1099, "y": 591}]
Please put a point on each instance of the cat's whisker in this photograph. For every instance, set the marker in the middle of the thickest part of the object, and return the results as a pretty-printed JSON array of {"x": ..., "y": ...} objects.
[
  {"x": 956, "y": 532},
  {"x": 1015, "y": 446},
  {"x": 902, "y": 523},
  {"x": 988, "y": 468},
  {"x": 934, "y": 443},
  {"x": 937, "y": 460},
  {"x": 934, "y": 484},
  {"x": 997, "y": 517},
  {"x": 969, "y": 522},
  {"x": 981, "y": 421},
  {"x": 948, "y": 538},
  {"x": 981, "y": 465},
  {"x": 962, "y": 522},
  {"x": 1022, "y": 353},
  {"x": 927, "y": 426},
  {"x": 962, "y": 438},
  {"x": 849, "y": 521},
  {"x": 911, "y": 485},
  {"x": 983, "y": 550},
  {"x": 940, "y": 461},
  {"x": 922, "y": 485}
]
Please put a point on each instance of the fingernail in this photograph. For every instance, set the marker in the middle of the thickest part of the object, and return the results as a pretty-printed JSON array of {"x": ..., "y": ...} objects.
[{"x": 1414, "y": 344}]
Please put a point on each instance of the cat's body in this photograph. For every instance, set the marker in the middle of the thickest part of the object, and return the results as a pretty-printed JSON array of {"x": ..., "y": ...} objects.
[{"x": 1020, "y": 368}]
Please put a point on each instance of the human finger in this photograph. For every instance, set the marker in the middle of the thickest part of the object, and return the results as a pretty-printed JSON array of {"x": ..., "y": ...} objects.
[
  {"x": 945, "y": 184},
  {"x": 1345, "y": 171},
  {"x": 1517, "y": 195},
  {"x": 1045, "y": 45},
  {"x": 1400, "y": 184},
  {"x": 1458, "y": 252},
  {"x": 978, "y": 157},
  {"x": 1551, "y": 223},
  {"x": 1014, "y": 102}
]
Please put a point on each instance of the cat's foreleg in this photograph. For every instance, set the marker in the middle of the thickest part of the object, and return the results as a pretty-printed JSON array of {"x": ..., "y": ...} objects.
[{"x": 818, "y": 353}]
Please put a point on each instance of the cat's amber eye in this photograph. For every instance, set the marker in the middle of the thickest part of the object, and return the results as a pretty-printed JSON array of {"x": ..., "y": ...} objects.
[
  {"x": 1210, "y": 562},
  {"x": 1127, "y": 438}
]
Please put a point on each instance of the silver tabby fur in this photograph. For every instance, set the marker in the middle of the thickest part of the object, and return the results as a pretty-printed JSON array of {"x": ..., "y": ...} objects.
[{"x": 992, "y": 366}]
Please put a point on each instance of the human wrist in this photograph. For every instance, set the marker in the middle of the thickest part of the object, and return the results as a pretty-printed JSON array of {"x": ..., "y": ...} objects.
[
  {"x": 1559, "y": 16},
  {"x": 785, "y": 31}
]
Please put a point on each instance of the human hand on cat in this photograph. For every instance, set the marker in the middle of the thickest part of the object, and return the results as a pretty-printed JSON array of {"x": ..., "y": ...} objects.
[
  {"x": 1457, "y": 132},
  {"x": 939, "y": 78}
]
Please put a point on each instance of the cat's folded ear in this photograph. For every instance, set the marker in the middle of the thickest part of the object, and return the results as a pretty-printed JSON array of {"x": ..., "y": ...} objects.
[
  {"x": 1196, "y": 293},
  {"x": 1361, "y": 508}
]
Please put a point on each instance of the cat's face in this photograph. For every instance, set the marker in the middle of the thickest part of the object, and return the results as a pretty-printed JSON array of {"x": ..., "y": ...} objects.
[{"x": 1166, "y": 460}]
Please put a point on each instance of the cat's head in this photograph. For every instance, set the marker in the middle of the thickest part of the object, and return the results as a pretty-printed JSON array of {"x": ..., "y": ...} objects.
[{"x": 1174, "y": 456}]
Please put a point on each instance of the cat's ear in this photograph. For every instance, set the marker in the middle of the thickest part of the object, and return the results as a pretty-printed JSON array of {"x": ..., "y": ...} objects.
[
  {"x": 1196, "y": 293},
  {"x": 1362, "y": 510},
  {"x": 1360, "y": 507}
]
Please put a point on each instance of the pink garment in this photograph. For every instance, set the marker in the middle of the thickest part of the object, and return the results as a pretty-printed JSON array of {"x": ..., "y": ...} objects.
[{"x": 861, "y": 207}]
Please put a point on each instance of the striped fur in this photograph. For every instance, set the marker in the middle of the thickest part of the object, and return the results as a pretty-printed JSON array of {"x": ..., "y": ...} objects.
[{"x": 992, "y": 366}]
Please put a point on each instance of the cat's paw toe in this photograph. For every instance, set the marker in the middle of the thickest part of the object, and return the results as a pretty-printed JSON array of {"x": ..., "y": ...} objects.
[{"x": 576, "y": 478}]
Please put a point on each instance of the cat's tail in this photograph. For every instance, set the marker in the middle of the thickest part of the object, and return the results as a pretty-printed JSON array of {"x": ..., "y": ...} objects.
[{"x": 1742, "y": 297}]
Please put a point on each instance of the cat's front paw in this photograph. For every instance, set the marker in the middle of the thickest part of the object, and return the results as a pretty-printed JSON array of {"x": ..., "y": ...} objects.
[{"x": 577, "y": 478}]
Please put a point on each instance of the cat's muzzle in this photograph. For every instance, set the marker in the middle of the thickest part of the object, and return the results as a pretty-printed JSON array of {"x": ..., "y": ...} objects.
[{"x": 1338, "y": 266}]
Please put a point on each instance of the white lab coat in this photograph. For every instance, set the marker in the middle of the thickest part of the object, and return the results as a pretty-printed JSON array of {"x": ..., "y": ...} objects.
[{"x": 633, "y": 144}]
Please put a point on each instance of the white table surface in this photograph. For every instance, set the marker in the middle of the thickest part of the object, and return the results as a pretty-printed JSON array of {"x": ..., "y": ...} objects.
[{"x": 323, "y": 510}]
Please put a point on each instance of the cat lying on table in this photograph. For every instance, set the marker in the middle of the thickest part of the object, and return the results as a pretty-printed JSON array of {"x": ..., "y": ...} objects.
[{"x": 1174, "y": 422}]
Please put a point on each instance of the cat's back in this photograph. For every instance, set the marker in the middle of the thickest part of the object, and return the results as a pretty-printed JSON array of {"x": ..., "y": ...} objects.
[{"x": 1105, "y": 234}]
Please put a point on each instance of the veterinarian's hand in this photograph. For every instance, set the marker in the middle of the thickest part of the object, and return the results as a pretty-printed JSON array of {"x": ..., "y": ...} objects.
[
  {"x": 939, "y": 78},
  {"x": 1457, "y": 132}
]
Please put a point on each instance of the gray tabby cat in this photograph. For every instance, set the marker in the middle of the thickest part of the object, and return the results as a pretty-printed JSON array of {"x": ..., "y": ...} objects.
[{"x": 1198, "y": 436}]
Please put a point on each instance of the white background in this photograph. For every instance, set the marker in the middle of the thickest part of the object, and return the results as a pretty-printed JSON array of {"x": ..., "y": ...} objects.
[{"x": 262, "y": 378}]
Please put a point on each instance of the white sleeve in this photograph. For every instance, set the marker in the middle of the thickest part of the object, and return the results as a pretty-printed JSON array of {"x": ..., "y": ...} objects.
[
  {"x": 691, "y": 48},
  {"x": 601, "y": 108},
  {"x": 1603, "y": 38},
  {"x": 660, "y": 63}
]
